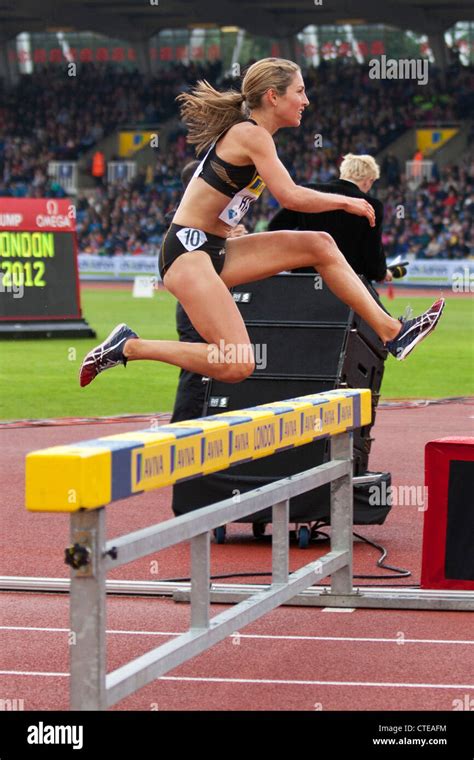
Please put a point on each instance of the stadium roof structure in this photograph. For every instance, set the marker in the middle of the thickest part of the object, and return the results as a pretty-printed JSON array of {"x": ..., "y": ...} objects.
[{"x": 138, "y": 20}]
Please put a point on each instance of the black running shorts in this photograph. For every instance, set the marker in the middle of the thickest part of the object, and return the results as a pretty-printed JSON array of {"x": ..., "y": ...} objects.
[{"x": 179, "y": 240}]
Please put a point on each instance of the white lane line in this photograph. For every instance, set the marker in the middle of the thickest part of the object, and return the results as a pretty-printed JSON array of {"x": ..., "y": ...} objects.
[
  {"x": 270, "y": 681},
  {"x": 32, "y": 673},
  {"x": 33, "y": 628},
  {"x": 320, "y": 683},
  {"x": 399, "y": 640}
]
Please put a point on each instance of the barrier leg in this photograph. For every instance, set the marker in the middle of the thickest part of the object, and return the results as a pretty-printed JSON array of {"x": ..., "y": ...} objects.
[
  {"x": 280, "y": 520},
  {"x": 342, "y": 514},
  {"x": 87, "y": 613},
  {"x": 200, "y": 573}
]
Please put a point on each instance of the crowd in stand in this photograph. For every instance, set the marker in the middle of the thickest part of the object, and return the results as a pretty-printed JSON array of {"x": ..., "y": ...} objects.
[
  {"x": 52, "y": 117},
  {"x": 436, "y": 220}
]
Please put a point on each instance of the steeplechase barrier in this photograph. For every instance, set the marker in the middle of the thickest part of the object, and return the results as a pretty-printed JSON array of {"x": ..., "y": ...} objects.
[{"x": 83, "y": 478}]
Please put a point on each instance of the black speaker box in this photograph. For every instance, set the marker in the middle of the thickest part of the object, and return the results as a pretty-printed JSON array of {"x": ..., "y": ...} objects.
[
  {"x": 306, "y": 341},
  {"x": 302, "y": 298},
  {"x": 312, "y": 506}
]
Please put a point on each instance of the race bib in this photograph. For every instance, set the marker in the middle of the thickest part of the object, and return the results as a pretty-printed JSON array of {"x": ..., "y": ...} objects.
[
  {"x": 240, "y": 203},
  {"x": 191, "y": 238}
]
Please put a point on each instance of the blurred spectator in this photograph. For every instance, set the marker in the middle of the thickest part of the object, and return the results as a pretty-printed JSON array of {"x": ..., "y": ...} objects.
[
  {"x": 391, "y": 169},
  {"x": 98, "y": 167}
]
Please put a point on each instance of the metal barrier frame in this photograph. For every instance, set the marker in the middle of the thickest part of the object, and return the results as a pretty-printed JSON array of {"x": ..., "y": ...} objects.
[
  {"x": 417, "y": 171},
  {"x": 68, "y": 184},
  {"x": 130, "y": 172},
  {"x": 92, "y": 688}
]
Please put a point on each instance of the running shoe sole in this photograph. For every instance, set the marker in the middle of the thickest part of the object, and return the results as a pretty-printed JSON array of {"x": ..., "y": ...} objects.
[
  {"x": 89, "y": 359},
  {"x": 440, "y": 304}
]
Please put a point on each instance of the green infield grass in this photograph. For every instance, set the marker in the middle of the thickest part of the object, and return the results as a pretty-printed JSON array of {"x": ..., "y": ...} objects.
[{"x": 39, "y": 378}]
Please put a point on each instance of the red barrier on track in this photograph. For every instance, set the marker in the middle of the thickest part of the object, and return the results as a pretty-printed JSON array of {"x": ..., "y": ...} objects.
[{"x": 448, "y": 534}]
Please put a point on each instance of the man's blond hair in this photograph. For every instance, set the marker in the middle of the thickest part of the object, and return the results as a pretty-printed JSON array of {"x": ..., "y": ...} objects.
[{"x": 359, "y": 167}]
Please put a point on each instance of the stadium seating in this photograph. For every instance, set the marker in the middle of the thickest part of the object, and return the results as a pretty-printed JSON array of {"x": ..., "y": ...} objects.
[{"x": 349, "y": 110}]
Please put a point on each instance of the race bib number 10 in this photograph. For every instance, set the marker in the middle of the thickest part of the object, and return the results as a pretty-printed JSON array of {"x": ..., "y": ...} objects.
[{"x": 191, "y": 238}]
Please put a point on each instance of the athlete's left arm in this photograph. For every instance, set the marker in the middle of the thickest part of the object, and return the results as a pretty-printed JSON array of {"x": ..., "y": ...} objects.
[{"x": 259, "y": 146}]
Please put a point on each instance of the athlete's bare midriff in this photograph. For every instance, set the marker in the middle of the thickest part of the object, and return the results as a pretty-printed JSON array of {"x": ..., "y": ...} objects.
[
  {"x": 200, "y": 207},
  {"x": 201, "y": 204}
]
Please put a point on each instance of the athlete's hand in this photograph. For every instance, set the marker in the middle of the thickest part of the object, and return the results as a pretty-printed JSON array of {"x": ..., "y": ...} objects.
[
  {"x": 361, "y": 207},
  {"x": 238, "y": 231}
]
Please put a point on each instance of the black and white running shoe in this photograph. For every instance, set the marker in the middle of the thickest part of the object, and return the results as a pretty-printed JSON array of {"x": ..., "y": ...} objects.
[
  {"x": 108, "y": 354},
  {"x": 413, "y": 331}
]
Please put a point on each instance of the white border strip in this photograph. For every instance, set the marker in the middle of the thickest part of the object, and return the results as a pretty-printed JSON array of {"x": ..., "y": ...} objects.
[
  {"x": 268, "y": 681},
  {"x": 272, "y": 637}
]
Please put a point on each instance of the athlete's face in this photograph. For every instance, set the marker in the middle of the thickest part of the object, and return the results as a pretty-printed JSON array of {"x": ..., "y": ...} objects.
[{"x": 291, "y": 105}]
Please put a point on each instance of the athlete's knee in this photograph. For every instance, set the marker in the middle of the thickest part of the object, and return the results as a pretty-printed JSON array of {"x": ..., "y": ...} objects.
[
  {"x": 324, "y": 247},
  {"x": 323, "y": 241},
  {"x": 233, "y": 362},
  {"x": 236, "y": 373}
]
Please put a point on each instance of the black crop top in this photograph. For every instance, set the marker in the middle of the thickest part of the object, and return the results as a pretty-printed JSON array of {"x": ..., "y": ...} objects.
[{"x": 223, "y": 176}]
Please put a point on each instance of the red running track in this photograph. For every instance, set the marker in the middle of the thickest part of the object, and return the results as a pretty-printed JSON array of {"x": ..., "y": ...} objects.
[{"x": 293, "y": 658}]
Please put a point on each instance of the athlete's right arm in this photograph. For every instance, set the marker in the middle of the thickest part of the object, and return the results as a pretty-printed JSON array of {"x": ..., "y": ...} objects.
[{"x": 259, "y": 145}]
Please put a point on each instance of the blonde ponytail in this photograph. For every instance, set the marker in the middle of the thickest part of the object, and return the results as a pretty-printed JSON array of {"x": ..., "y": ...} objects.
[{"x": 208, "y": 112}]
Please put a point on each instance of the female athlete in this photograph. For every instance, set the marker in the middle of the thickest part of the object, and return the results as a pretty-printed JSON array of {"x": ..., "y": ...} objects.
[{"x": 199, "y": 262}]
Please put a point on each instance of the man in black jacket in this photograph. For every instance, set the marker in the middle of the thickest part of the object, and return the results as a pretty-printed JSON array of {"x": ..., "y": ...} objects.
[{"x": 361, "y": 244}]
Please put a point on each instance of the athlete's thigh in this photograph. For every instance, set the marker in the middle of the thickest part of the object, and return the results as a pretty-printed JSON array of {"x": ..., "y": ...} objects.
[
  {"x": 193, "y": 280},
  {"x": 263, "y": 254}
]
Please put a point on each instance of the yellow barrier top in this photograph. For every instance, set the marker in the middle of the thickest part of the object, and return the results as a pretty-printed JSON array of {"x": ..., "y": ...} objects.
[{"x": 91, "y": 474}]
